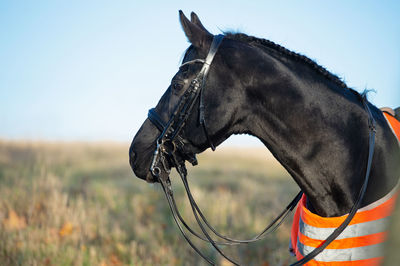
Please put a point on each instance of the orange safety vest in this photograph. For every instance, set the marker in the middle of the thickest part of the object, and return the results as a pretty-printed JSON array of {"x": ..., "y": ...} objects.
[{"x": 361, "y": 243}]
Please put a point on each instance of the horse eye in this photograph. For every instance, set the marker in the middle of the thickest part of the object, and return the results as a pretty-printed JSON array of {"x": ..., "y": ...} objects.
[{"x": 177, "y": 86}]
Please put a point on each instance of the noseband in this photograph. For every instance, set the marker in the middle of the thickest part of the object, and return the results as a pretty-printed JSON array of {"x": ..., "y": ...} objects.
[{"x": 170, "y": 152}]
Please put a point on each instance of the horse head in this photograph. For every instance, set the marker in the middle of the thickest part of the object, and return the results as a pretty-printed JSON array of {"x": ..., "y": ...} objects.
[{"x": 216, "y": 105}]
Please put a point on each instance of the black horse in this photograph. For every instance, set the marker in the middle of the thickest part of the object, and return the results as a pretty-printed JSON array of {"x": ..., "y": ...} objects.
[{"x": 313, "y": 124}]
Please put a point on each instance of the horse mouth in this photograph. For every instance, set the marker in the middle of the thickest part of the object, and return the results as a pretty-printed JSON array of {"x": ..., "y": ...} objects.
[{"x": 150, "y": 178}]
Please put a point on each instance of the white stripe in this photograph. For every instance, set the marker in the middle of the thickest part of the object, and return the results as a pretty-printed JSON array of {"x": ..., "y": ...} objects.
[
  {"x": 382, "y": 200},
  {"x": 354, "y": 230},
  {"x": 346, "y": 254}
]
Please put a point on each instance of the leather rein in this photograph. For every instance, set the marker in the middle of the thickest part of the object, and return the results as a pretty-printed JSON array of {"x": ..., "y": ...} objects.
[{"x": 170, "y": 153}]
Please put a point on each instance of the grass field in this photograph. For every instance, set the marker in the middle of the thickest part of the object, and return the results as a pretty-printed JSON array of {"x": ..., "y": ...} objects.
[{"x": 80, "y": 204}]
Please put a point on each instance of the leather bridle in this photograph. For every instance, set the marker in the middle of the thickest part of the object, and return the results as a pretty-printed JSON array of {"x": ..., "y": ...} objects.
[
  {"x": 170, "y": 153},
  {"x": 170, "y": 140}
]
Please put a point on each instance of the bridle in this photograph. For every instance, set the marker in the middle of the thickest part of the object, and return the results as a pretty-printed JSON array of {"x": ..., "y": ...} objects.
[
  {"x": 170, "y": 153},
  {"x": 169, "y": 137}
]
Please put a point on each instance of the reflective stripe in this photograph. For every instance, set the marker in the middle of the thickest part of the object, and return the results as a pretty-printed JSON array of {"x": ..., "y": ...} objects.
[
  {"x": 351, "y": 242},
  {"x": 382, "y": 211},
  {"x": 368, "y": 262},
  {"x": 382, "y": 200},
  {"x": 361, "y": 242},
  {"x": 346, "y": 254},
  {"x": 354, "y": 230}
]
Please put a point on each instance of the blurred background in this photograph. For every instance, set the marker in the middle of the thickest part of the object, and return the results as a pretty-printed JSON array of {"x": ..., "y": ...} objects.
[{"x": 76, "y": 81}]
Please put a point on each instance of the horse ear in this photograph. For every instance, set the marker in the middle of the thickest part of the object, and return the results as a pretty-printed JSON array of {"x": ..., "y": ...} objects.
[
  {"x": 199, "y": 37},
  {"x": 195, "y": 19}
]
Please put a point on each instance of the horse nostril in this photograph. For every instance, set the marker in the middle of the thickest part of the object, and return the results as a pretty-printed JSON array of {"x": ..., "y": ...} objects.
[{"x": 132, "y": 157}]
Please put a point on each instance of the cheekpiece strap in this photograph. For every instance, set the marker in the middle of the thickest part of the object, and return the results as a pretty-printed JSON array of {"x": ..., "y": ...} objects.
[
  {"x": 156, "y": 119},
  {"x": 213, "y": 50}
]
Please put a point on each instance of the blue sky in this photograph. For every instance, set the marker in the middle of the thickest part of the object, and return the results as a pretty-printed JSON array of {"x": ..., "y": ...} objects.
[{"x": 90, "y": 70}]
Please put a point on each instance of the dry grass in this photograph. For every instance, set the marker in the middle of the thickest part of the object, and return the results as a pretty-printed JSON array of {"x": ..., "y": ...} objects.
[{"x": 79, "y": 204}]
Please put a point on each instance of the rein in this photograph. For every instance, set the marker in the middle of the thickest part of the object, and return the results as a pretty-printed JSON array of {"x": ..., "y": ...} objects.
[{"x": 170, "y": 153}]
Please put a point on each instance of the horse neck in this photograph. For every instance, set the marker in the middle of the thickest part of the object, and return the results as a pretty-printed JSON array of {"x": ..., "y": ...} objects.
[{"x": 317, "y": 130}]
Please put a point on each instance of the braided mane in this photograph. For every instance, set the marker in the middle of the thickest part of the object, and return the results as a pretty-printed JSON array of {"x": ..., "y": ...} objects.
[{"x": 283, "y": 51}]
